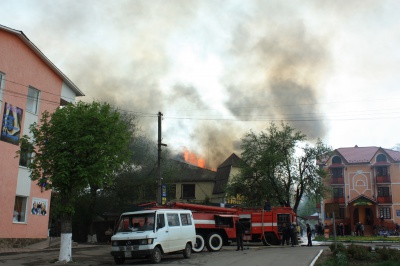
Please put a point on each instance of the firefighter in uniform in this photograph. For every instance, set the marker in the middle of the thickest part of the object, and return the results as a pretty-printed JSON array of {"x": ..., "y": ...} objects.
[{"x": 239, "y": 235}]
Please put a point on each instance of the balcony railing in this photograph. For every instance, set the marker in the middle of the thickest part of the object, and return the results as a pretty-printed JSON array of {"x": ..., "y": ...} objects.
[
  {"x": 386, "y": 199},
  {"x": 337, "y": 180},
  {"x": 339, "y": 200},
  {"x": 383, "y": 179}
]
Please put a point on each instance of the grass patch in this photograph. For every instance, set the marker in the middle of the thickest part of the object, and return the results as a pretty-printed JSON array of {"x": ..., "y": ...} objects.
[
  {"x": 355, "y": 255},
  {"x": 359, "y": 238}
]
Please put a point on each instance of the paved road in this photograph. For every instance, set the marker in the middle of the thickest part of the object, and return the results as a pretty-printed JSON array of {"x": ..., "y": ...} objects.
[{"x": 100, "y": 255}]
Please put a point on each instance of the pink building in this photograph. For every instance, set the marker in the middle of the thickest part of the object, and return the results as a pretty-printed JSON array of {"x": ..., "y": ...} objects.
[
  {"x": 29, "y": 84},
  {"x": 365, "y": 185}
]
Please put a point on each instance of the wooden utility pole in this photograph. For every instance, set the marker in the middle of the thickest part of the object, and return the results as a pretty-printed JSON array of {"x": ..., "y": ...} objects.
[{"x": 159, "y": 186}]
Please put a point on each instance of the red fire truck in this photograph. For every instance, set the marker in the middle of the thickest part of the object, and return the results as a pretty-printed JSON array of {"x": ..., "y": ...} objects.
[{"x": 215, "y": 226}]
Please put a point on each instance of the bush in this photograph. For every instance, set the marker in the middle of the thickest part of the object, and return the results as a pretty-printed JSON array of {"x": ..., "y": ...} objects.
[
  {"x": 358, "y": 252},
  {"x": 339, "y": 248},
  {"x": 341, "y": 259},
  {"x": 388, "y": 253}
]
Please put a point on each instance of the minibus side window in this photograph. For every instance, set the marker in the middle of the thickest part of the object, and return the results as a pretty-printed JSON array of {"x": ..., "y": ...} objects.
[
  {"x": 173, "y": 219},
  {"x": 160, "y": 220},
  {"x": 186, "y": 219}
]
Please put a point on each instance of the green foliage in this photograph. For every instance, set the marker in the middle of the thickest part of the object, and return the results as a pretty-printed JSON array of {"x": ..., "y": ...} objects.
[
  {"x": 387, "y": 263},
  {"x": 78, "y": 146},
  {"x": 308, "y": 206},
  {"x": 341, "y": 258},
  {"x": 358, "y": 252},
  {"x": 275, "y": 169},
  {"x": 349, "y": 238},
  {"x": 359, "y": 255},
  {"x": 388, "y": 253},
  {"x": 339, "y": 248}
]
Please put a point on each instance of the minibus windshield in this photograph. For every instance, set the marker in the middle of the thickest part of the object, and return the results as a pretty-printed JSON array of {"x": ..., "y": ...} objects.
[{"x": 136, "y": 222}]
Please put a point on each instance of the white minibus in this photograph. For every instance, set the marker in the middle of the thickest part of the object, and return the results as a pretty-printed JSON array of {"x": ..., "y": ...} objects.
[{"x": 152, "y": 233}]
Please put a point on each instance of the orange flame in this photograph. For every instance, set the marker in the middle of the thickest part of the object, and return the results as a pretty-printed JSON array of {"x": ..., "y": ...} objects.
[{"x": 193, "y": 159}]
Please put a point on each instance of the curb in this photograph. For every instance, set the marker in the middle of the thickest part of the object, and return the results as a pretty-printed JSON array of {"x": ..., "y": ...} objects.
[
  {"x": 316, "y": 258},
  {"x": 10, "y": 251}
]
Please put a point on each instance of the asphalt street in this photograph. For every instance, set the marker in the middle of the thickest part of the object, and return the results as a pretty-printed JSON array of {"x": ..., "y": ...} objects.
[{"x": 100, "y": 255}]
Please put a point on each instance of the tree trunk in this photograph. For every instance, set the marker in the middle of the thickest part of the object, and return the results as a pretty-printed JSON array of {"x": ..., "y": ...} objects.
[
  {"x": 66, "y": 239},
  {"x": 92, "y": 205}
]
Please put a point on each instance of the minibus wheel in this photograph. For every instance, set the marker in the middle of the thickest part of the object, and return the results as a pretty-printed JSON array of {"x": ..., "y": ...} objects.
[
  {"x": 155, "y": 256},
  {"x": 187, "y": 251},
  {"x": 119, "y": 260}
]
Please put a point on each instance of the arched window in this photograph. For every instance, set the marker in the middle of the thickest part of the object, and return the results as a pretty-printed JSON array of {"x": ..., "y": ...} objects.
[
  {"x": 381, "y": 158},
  {"x": 336, "y": 160}
]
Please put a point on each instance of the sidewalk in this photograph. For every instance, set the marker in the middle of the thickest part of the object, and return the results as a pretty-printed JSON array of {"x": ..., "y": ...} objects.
[{"x": 49, "y": 244}]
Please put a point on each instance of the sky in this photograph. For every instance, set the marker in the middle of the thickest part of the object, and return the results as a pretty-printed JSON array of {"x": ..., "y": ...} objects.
[{"x": 217, "y": 70}]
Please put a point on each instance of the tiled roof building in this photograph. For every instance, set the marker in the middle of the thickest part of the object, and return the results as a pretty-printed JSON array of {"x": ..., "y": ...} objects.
[{"x": 365, "y": 186}]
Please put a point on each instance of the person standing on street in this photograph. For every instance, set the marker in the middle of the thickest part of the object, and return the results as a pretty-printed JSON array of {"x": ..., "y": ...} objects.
[
  {"x": 309, "y": 243},
  {"x": 239, "y": 235}
]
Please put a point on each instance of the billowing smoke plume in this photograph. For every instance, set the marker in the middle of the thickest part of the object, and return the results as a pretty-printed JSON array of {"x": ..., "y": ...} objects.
[{"x": 215, "y": 69}]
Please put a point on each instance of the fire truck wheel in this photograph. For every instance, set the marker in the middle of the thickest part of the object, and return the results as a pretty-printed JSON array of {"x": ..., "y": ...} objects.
[
  {"x": 270, "y": 239},
  {"x": 214, "y": 242},
  {"x": 199, "y": 246},
  {"x": 265, "y": 241}
]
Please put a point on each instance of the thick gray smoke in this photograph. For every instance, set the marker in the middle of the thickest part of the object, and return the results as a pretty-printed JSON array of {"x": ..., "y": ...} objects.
[{"x": 140, "y": 56}]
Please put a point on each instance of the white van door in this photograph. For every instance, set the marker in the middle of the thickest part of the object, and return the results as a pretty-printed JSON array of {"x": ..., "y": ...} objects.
[
  {"x": 175, "y": 232},
  {"x": 162, "y": 232},
  {"x": 188, "y": 229}
]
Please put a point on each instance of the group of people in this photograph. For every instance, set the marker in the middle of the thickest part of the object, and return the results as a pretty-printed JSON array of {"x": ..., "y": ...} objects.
[
  {"x": 289, "y": 234},
  {"x": 359, "y": 229},
  {"x": 319, "y": 229}
]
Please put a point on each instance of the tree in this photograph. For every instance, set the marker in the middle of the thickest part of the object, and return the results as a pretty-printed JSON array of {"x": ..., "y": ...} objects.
[
  {"x": 279, "y": 166},
  {"x": 77, "y": 147},
  {"x": 86, "y": 206}
]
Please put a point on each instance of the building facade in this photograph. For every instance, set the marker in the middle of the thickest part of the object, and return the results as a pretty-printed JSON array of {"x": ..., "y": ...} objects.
[
  {"x": 190, "y": 183},
  {"x": 29, "y": 84},
  {"x": 225, "y": 172},
  {"x": 365, "y": 185}
]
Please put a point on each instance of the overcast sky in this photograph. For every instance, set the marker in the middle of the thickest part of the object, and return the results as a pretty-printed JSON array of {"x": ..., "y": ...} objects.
[{"x": 218, "y": 69}]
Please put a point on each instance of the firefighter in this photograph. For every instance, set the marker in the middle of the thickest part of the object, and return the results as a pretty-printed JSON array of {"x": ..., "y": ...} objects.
[
  {"x": 267, "y": 206},
  {"x": 293, "y": 234},
  {"x": 239, "y": 235},
  {"x": 286, "y": 234},
  {"x": 309, "y": 243}
]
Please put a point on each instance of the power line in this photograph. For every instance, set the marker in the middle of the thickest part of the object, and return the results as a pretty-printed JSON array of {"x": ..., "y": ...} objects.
[{"x": 287, "y": 117}]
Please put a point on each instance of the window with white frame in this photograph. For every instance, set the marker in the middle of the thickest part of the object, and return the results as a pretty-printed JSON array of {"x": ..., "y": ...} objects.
[
  {"x": 385, "y": 212},
  {"x": 20, "y": 209},
  {"x": 33, "y": 100},
  {"x": 338, "y": 192},
  {"x": 382, "y": 171},
  {"x": 337, "y": 172},
  {"x": 383, "y": 192}
]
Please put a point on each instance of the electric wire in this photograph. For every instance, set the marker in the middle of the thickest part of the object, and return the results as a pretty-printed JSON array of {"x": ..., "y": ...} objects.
[{"x": 285, "y": 117}]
